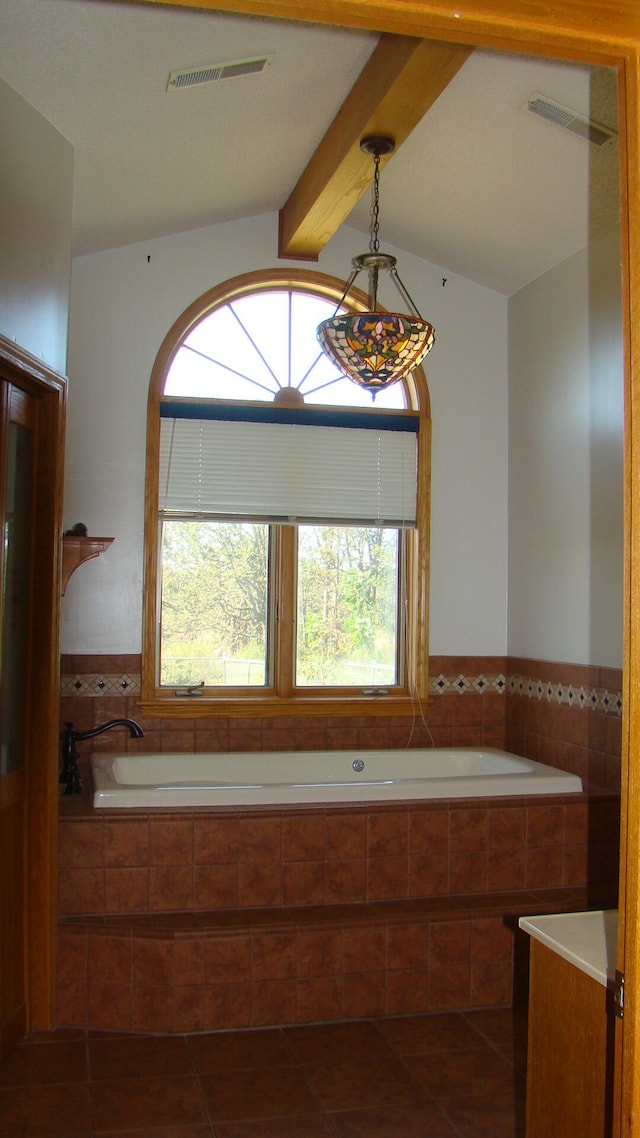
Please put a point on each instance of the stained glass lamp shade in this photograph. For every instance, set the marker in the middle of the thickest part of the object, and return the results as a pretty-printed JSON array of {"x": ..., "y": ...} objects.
[{"x": 376, "y": 348}]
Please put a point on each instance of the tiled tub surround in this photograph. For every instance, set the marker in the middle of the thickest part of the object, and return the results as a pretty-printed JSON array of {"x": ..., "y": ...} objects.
[
  {"x": 181, "y": 922},
  {"x": 568, "y": 716},
  {"x": 565, "y": 715},
  {"x": 190, "y": 921}
]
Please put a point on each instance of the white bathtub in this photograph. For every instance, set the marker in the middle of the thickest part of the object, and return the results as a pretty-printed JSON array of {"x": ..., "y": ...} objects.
[{"x": 249, "y": 779}]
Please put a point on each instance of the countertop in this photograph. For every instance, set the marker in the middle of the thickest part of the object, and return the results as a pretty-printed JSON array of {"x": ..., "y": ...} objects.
[{"x": 588, "y": 940}]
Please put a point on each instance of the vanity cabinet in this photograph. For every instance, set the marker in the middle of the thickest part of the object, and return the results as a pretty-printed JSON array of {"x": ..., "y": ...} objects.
[{"x": 571, "y": 1024}]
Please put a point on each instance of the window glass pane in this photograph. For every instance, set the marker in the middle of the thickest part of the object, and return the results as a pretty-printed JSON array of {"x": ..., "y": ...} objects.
[
  {"x": 214, "y": 623},
  {"x": 347, "y": 629},
  {"x": 256, "y": 345},
  {"x": 219, "y": 360}
]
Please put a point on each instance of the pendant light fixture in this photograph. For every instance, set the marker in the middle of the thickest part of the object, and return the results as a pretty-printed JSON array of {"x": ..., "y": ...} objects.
[{"x": 376, "y": 348}]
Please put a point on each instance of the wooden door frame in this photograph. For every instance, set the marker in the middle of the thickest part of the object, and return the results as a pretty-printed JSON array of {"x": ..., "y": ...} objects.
[
  {"x": 49, "y": 389},
  {"x": 605, "y": 32}
]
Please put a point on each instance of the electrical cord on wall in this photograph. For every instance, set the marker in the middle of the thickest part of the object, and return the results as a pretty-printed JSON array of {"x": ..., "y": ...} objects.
[{"x": 416, "y": 702}]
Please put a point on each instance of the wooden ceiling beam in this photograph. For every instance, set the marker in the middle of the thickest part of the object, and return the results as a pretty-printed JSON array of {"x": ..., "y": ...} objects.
[{"x": 398, "y": 85}]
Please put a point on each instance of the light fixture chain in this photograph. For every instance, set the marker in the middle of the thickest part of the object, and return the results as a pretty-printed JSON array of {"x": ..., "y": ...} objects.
[{"x": 374, "y": 241}]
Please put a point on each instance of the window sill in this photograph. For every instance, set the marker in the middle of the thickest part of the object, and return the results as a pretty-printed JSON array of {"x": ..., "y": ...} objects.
[{"x": 172, "y": 707}]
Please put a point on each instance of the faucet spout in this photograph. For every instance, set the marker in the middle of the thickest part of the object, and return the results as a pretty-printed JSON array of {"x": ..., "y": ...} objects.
[
  {"x": 70, "y": 775},
  {"x": 135, "y": 730}
]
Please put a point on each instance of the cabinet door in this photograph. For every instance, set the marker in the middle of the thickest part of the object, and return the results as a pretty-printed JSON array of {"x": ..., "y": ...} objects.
[{"x": 570, "y": 1056}]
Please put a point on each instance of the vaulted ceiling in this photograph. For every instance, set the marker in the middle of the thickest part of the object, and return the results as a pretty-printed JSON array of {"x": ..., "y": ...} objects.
[{"x": 478, "y": 184}]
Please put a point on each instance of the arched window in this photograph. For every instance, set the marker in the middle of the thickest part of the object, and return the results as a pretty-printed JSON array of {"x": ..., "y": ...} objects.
[{"x": 286, "y": 527}]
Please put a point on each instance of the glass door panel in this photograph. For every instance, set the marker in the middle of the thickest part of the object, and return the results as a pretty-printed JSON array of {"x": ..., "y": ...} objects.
[{"x": 15, "y": 595}]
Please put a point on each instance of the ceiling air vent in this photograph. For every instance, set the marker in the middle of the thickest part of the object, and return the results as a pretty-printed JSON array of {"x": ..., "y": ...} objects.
[
  {"x": 235, "y": 69},
  {"x": 569, "y": 120}
]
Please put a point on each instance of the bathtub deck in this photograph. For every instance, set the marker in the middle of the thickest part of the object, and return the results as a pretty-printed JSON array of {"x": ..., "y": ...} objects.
[{"x": 237, "y": 969}]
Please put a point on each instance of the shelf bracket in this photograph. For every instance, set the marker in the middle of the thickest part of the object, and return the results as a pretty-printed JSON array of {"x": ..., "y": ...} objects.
[{"x": 76, "y": 550}]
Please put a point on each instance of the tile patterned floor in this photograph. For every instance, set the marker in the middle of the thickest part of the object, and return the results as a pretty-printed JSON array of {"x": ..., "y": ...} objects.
[{"x": 435, "y": 1076}]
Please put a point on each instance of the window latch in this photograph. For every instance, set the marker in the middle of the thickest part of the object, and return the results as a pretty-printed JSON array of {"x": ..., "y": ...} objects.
[{"x": 193, "y": 690}]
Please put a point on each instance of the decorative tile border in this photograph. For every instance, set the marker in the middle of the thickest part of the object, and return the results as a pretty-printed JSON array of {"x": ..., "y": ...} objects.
[
  {"x": 99, "y": 683},
  {"x": 446, "y": 685},
  {"x": 588, "y": 698},
  {"x": 570, "y": 695}
]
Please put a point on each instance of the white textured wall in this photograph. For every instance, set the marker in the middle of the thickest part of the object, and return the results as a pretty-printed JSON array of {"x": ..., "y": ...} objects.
[
  {"x": 566, "y": 461},
  {"x": 36, "y": 195},
  {"x": 123, "y": 303}
]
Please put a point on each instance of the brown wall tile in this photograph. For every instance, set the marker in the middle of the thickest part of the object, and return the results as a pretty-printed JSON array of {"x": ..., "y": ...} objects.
[
  {"x": 429, "y": 875},
  {"x": 303, "y": 883},
  {"x": 189, "y": 1009},
  {"x": 110, "y": 958},
  {"x": 388, "y": 834},
  {"x": 387, "y": 878},
  {"x": 126, "y": 890},
  {"x": 506, "y": 870},
  {"x": 346, "y": 836},
  {"x": 273, "y": 957},
  {"x": 110, "y": 1005},
  {"x": 363, "y": 994},
  {"x": 216, "y": 841},
  {"x": 319, "y": 998},
  {"x": 319, "y": 953},
  {"x": 216, "y": 886},
  {"x": 81, "y": 891},
  {"x": 407, "y": 947},
  {"x": 345, "y": 881},
  {"x": 227, "y": 960},
  {"x": 171, "y": 887},
  {"x": 303, "y": 837},
  {"x": 468, "y": 829},
  {"x": 468, "y": 872},
  {"x": 450, "y": 987},
  {"x": 227, "y": 1006},
  {"x": 153, "y": 962},
  {"x": 428, "y": 830},
  {"x": 170, "y": 841},
  {"x": 152, "y": 1009},
  {"x": 80, "y": 845},
  {"x": 407, "y": 992},
  {"x": 575, "y": 864},
  {"x": 543, "y": 867},
  {"x": 491, "y": 940},
  {"x": 273, "y": 1001},
  {"x": 507, "y": 827},
  {"x": 188, "y": 961},
  {"x": 260, "y": 839},
  {"x": 491, "y": 984},
  {"x": 364, "y": 950},
  {"x": 260, "y": 884},
  {"x": 126, "y": 843},
  {"x": 71, "y": 1003},
  {"x": 545, "y": 825}
]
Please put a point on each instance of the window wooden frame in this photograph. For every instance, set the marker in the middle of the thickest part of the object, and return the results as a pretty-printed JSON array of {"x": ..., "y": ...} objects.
[{"x": 284, "y": 698}]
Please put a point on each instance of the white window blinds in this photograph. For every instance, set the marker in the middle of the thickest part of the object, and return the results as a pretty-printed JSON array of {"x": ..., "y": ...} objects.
[{"x": 287, "y": 472}]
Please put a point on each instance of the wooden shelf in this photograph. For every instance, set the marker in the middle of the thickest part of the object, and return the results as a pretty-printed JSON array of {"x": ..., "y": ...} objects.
[{"x": 76, "y": 550}]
